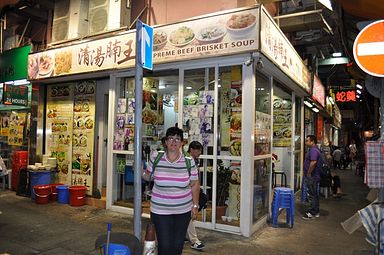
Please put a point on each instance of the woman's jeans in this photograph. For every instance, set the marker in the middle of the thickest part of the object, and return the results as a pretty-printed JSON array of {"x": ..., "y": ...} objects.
[
  {"x": 313, "y": 195},
  {"x": 170, "y": 232}
]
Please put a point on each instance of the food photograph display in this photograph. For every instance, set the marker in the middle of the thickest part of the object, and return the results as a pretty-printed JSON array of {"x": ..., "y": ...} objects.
[{"x": 70, "y": 131}]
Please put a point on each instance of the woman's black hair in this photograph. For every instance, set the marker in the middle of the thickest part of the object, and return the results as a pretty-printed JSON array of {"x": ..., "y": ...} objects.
[
  {"x": 195, "y": 145},
  {"x": 174, "y": 131}
]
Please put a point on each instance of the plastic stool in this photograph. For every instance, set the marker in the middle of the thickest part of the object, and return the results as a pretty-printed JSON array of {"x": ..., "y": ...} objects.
[{"x": 283, "y": 198}]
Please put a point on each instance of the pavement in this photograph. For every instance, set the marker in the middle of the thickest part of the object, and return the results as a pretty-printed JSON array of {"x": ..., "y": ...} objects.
[{"x": 27, "y": 228}]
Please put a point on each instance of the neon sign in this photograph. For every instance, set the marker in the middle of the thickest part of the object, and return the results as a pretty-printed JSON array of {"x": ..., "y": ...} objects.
[{"x": 346, "y": 96}]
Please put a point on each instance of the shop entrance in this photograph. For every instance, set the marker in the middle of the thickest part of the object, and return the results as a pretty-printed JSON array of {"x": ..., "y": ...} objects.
[{"x": 207, "y": 104}]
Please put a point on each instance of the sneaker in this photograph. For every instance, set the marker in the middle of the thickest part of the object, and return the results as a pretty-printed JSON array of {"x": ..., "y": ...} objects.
[
  {"x": 308, "y": 216},
  {"x": 197, "y": 246}
]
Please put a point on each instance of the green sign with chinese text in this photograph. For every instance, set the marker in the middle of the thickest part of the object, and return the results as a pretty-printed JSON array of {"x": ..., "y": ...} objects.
[
  {"x": 15, "y": 95},
  {"x": 13, "y": 64}
]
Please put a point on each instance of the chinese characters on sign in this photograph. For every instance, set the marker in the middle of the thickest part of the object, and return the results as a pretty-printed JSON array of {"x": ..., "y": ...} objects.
[
  {"x": 15, "y": 95},
  {"x": 346, "y": 96},
  {"x": 277, "y": 47}
]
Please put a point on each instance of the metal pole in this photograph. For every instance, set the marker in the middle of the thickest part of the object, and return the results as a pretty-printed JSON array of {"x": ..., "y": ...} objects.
[{"x": 137, "y": 140}]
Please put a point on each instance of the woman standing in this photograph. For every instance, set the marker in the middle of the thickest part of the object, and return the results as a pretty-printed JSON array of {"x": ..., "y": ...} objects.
[{"x": 175, "y": 194}]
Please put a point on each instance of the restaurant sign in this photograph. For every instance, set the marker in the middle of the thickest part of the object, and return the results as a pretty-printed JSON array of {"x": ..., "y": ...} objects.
[
  {"x": 345, "y": 96},
  {"x": 318, "y": 92},
  {"x": 15, "y": 95},
  {"x": 277, "y": 47},
  {"x": 215, "y": 35},
  {"x": 13, "y": 64}
]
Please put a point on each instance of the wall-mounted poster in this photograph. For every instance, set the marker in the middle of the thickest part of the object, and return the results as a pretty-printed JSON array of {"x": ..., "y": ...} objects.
[
  {"x": 83, "y": 134},
  {"x": 59, "y": 126},
  {"x": 70, "y": 131},
  {"x": 5, "y": 124},
  {"x": 282, "y": 122},
  {"x": 16, "y": 128}
]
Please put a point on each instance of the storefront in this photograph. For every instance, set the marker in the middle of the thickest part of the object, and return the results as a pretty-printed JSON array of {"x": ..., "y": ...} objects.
[
  {"x": 230, "y": 80},
  {"x": 17, "y": 110}
]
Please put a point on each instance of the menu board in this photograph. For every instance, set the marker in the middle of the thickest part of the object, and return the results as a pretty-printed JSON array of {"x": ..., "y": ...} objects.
[
  {"x": 59, "y": 126},
  {"x": 282, "y": 122},
  {"x": 16, "y": 128},
  {"x": 70, "y": 131},
  {"x": 83, "y": 134}
]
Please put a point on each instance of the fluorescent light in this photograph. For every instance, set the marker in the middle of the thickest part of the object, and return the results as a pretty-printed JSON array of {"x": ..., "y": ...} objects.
[
  {"x": 162, "y": 86},
  {"x": 337, "y": 54},
  {"x": 357, "y": 96},
  {"x": 359, "y": 86},
  {"x": 21, "y": 82},
  {"x": 358, "y": 91},
  {"x": 326, "y": 3},
  {"x": 315, "y": 109},
  {"x": 308, "y": 104},
  {"x": 188, "y": 87}
]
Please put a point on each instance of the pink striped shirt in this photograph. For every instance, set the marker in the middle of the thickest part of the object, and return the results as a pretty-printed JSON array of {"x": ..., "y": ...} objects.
[{"x": 171, "y": 193}]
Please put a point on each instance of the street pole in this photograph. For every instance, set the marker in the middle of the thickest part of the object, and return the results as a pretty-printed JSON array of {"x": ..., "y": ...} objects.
[{"x": 137, "y": 140}]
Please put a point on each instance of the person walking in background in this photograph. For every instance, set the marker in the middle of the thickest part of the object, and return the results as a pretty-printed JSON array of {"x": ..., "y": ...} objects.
[
  {"x": 336, "y": 155},
  {"x": 175, "y": 194},
  {"x": 195, "y": 149},
  {"x": 312, "y": 177},
  {"x": 352, "y": 152}
]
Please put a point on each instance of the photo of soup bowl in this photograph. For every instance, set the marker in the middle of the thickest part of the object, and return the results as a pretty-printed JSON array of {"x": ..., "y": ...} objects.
[
  {"x": 239, "y": 25},
  {"x": 212, "y": 34}
]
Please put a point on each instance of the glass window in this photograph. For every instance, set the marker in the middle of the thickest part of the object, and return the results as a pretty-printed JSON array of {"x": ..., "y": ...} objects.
[
  {"x": 230, "y": 118},
  {"x": 198, "y": 106},
  {"x": 263, "y": 115},
  {"x": 228, "y": 192},
  {"x": 261, "y": 188}
]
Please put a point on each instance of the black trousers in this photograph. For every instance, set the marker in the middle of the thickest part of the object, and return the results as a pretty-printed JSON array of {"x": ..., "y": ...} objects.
[{"x": 170, "y": 232}]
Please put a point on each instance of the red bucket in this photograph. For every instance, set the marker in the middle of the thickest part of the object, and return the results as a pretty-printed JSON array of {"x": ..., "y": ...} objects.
[
  {"x": 77, "y": 195},
  {"x": 42, "y": 193},
  {"x": 53, "y": 195}
]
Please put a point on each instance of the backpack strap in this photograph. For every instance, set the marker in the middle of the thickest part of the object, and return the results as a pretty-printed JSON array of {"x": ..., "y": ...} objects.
[
  {"x": 156, "y": 162},
  {"x": 188, "y": 159}
]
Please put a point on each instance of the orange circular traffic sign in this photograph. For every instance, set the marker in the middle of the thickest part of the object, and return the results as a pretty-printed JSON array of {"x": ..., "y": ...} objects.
[{"x": 368, "y": 49}]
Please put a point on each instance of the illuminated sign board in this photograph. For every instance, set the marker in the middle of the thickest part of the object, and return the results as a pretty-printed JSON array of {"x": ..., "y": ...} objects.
[
  {"x": 345, "y": 96},
  {"x": 15, "y": 95}
]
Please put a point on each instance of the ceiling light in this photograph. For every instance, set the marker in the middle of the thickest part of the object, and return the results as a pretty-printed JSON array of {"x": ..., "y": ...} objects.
[
  {"x": 188, "y": 87},
  {"x": 326, "y": 3},
  {"x": 359, "y": 86},
  {"x": 308, "y": 104},
  {"x": 21, "y": 82},
  {"x": 336, "y": 54},
  {"x": 357, "y": 96},
  {"x": 315, "y": 109},
  {"x": 162, "y": 86},
  {"x": 358, "y": 91}
]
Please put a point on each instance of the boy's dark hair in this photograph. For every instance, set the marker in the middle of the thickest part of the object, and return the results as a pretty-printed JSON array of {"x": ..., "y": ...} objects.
[
  {"x": 174, "y": 131},
  {"x": 195, "y": 145},
  {"x": 312, "y": 138}
]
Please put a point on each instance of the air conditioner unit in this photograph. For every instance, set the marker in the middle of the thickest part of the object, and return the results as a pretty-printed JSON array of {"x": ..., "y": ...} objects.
[
  {"x": 60, "y": 21},
  {"x": 98, "y": 16},
  {"x": 69, "y": 19},
  {"x": 106, "y": 15}
]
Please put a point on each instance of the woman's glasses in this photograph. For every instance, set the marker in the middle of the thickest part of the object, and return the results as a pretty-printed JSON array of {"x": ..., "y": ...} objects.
[{"x": 174, "y": 139}]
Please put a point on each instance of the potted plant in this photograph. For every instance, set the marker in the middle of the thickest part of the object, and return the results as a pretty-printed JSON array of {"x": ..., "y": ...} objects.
[{"x": 223, "y": 178}]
